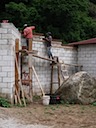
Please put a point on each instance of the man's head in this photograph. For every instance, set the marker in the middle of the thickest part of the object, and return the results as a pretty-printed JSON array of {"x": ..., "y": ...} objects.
[
  {"x": 49, "y": 33},
  {"x": 25, "y": 25}
]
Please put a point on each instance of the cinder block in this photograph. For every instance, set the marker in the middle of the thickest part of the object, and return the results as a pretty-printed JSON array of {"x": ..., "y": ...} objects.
[
  {"x": 8, "y": 79},
  {"x": 3, "y": 74},
  {"x": 9, "y": 31},
  {"x": 6, "y": 36},
  {"x": 1, "y": 79},
  {"x": 10, "y": 85},
  {"x": 3, "y": 63},
  {"x": 7, "y": 90},
  {"x": 3, "y": 85},
  {"x": 1, "y": 57},
  {"x": 3, "y": 52},
  {"x": 3, "y": 30},
  {"x": 7, "y": 58},
  {"x": 11, "y": 74},
  {"x": 3, "y": 47},
  {"x": 7, "y": 69},
  {"x": 3, "y": 41}
]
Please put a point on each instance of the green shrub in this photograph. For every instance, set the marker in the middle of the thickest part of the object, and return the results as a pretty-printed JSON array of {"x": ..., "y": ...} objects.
[
  {"x": 4, "y": 102},
  {"x": 94, "y": 104}
]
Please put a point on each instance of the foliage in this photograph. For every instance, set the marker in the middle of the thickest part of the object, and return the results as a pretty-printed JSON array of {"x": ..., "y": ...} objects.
[
  {"x": 70, "y": 20},
  {"x": 4, "y": 102},
  {"x": 36, "y": 98},
  {"x": 94, "y": 104},
  {"x": 20, "y": 11}
]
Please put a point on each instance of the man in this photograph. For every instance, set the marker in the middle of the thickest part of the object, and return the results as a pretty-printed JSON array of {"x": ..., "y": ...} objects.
[
  {"x": 28, "y": 33},
  {"x": 48, "y": 40}
]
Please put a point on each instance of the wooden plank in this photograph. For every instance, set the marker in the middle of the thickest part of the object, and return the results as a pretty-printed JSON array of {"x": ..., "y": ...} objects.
[
  {"x": 15, "y": 97},
  {"x": 31, "y": 52},
  {"x": 38, "y": 80},
  {"x": 18, "y": 97},
  {"x": 42, "y": 58},
  {"x": 28, "y": 52},
  {"x": 34, "y": 55}
]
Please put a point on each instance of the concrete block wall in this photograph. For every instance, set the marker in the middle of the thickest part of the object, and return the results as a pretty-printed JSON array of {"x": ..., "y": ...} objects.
[
  {"x": 66, "y": 54},
  {"x": 87, "y": 58},
  {"x": 83, "y": 55},
  {"x": 8, "y": 34}
]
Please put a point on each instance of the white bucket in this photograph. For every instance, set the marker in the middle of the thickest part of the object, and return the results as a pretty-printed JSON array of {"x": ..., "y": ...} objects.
[{"x": 46, "y": 100}]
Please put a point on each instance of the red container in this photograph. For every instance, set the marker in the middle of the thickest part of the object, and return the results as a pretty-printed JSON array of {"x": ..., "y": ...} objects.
[
  {"x": 55, "y": 99},
  {"x": 4, "y": 21}
]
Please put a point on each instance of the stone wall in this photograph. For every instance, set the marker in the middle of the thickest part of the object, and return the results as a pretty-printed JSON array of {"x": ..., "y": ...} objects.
[
  {"x": 87, "y": 58},
  {"x": 8, "y": 34}
]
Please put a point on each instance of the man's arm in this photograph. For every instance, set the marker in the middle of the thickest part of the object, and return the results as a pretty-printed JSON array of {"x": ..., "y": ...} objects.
[
  {"x": 46, "y": 39},
  {"x": 32, "y": 27}
]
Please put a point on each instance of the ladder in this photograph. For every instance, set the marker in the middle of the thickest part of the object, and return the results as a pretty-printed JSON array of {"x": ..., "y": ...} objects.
[{"x": 57, "y": 64}]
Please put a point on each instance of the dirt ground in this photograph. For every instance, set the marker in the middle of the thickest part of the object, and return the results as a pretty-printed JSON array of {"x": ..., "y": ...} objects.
[{"x": 36, "y": 115}]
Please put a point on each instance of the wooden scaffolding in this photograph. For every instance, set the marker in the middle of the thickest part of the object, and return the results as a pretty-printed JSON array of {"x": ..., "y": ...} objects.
[{"x": 20, "y": 94}]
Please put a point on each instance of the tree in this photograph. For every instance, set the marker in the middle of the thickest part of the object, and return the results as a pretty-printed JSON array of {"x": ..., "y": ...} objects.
[
  {"x": 17, "y": 13},
  {"x": 70, "y": 20}
]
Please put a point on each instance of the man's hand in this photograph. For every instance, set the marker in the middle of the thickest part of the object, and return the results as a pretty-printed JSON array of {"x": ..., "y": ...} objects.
[{"x": 44, "y": 38}]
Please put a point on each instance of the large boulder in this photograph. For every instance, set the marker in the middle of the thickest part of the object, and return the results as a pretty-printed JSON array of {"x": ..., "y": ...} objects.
[{"x": 79, "y": 88}]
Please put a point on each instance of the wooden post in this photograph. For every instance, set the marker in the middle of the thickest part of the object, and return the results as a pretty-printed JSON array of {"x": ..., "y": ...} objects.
[
  {"x": 51, "y": 86},
  {"x": 19, "y": 81},
  {"x": 17, "y": 75},
  {"x": 30, "y": 70},
  {"x": 17, "y": 55},
  {"x": 58, "y": 72}
]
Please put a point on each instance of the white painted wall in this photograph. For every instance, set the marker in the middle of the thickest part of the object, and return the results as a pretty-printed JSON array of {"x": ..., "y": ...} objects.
[{"x": 8, "y": 34}]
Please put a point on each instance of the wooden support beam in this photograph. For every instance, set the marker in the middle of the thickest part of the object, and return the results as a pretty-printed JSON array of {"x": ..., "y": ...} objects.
[
  {"x": 28, "y": 52},
  {"x": 51, "y": 86},
  {"x": 38, "y": 80},
  {"x": 43, "y": 58},
  {"x": 34, "y": 55},
  {"x": 19, "y": 80},
  {"x": 30, "y": 70},
  {"x": 18, "y": 97},
  {"x": 58, "y": 72},
  {"x": 17, "y": 56},
  {"x": 32, "y": 52}
]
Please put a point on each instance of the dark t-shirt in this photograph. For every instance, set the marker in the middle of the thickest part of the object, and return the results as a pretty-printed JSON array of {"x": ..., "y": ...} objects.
[{"x": 48, "y": 41}]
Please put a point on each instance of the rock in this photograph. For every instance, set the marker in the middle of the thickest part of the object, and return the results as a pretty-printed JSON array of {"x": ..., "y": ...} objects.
[{"x": 79, "y": 88}]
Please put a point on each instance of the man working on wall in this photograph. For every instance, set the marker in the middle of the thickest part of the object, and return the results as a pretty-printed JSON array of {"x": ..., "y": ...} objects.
[
  {"x": 48, "y": 40},
  {"x": 28, "y": 33}
]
